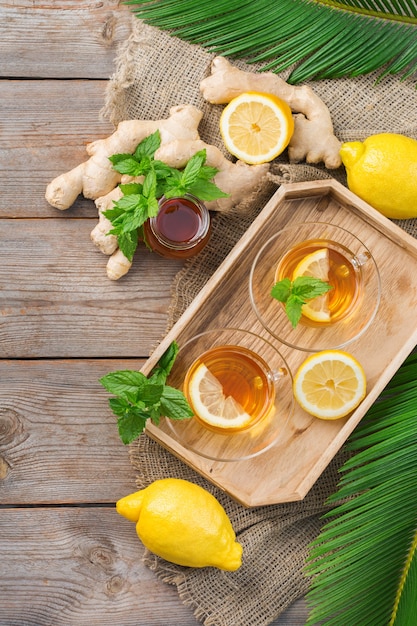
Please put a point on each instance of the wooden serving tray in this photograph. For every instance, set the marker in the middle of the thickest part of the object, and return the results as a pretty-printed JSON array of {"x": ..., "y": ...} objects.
[{"x": 288, "y": 470}]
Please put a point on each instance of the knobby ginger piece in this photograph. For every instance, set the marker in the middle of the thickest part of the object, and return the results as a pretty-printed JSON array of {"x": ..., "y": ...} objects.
[
  {"x": 95, "y": 178},
  {"x": 99, "y": 235},
  {"x": 237, "y": 179},
  {"x": 313, "y": 139},
  {"x": 117, "y": 265}
]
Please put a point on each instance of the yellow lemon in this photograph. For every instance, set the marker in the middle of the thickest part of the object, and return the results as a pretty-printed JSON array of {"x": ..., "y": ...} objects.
[
  {"x": 256, "y": 127},
  {"x": 330, "y": 384},
  {"x": 383, "y": 171},
  {"x": 211, "y": 405},
  {"x": 184, "y": 524},
  {"x": 316, "y": 265}
]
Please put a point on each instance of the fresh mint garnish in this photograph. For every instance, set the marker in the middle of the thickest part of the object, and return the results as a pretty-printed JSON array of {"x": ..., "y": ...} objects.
[
  {"x": 298, "y": 292},
  {"x": 140, "y": 200},
  {"x": 139, "y": 398}
]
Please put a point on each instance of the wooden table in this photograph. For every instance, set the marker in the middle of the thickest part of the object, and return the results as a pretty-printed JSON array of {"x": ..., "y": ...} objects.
[{"x": 66, "y": 557}]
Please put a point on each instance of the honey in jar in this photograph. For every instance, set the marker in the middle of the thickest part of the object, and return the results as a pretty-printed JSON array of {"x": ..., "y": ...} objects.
[{"x": 181, "y": 228}]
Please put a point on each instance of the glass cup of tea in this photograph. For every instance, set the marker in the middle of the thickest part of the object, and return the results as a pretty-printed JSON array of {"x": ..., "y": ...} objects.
[
  {"x": 317, "y": 249},
  {"x": 240, "y": 389}
]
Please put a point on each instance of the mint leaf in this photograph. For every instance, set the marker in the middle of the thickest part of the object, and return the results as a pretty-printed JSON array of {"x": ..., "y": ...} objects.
[
  {"x": 296, "y": 293},
  {"x": 148, "y": 146},
  {"x": 152, "y": 207},
  {"x": 139, "y": 398},
  {"x": 206, "y": 190},
  {"x": 174, "y": 404},
  {"x": 207, "y": 172},
  {"x": 151, "y": 393},
  {"x": 131, "y": 425},
  {"x": 308, "y": 287},
  {"x": 133, "y": 219},
  {"x": 193, "y": 167},
  {"x": 163, "y": 367},
  {"x": 149, "y": 184},
  {"x": 123, "y": 381},
  {"x": 293, "y": 309},
  {"x": 114, "y": 214},
  {"x": 281, "y": 290},
  {"x": 120, "y": 406},
  {"x": 128, "y": 242},
  {"x": 126, "y": 165},
  {"x": 131, "y": 188}
]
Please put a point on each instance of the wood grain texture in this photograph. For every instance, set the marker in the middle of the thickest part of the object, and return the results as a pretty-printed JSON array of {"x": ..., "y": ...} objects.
[
  {"x": 61, "y": 38},
  {"x": 73, "y": 566},
  {"x": 45, "y": 127},
  {"x": 76, "y": 566},
  {"x": 59, "y": 441},
  {"x": 56, "y": 299}
]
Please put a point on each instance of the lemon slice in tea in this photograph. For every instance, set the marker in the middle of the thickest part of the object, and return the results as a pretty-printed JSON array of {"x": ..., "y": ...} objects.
[
  {"x": 330, "y": 384},
  {"x": 317, "y": 265},
  {"x": 210, "y": 404}
]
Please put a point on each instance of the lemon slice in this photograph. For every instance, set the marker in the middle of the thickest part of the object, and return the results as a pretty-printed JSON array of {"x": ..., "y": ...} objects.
[
  {"x": 317, "y": 265},
  {"x": 256, "y": 127},
  {"x": 211, "y": 405},
  {"x": 330, "y": 384}
]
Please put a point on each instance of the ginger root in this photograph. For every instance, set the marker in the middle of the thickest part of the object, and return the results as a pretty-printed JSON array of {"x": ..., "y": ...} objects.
[
  {"x": 238, "y": 179},
  {"x": 117, "y": 265},
  {"x": 96, "y": 177},
  {"x": 99, "y": 235},
  {"x": 313, "y": 138}
]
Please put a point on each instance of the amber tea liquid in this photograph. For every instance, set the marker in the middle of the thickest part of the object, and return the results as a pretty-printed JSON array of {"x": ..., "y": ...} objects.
[
  {"x": 243, "y": 375},
  {"x": 345, "y": 278}
]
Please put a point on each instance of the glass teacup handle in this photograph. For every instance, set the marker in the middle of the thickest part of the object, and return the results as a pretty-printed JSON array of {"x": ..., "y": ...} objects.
[
  {"x": 361, "y": 259},
  {"x": 276, "y": 375}
]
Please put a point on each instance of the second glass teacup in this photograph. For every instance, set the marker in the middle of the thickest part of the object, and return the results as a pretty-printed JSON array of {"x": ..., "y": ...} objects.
[
  {"x": 240, "y": 389},
  {"x": 334, "y": 319}
]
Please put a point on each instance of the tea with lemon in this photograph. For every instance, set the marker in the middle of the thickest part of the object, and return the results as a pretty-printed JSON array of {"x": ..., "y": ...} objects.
[
  {"x": 340, "y": 273},
  {"x": 229, "y": 388}
]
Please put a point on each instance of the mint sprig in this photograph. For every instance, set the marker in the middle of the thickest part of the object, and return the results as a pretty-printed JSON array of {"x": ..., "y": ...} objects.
[
  {"x": 298, "y": 292},
  {"x": 139, "y": 398},
  {"x": 140, "y": 200}
]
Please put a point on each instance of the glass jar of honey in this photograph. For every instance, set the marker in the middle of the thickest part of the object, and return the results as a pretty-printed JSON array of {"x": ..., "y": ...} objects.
[{"x": 181, "y": 228}]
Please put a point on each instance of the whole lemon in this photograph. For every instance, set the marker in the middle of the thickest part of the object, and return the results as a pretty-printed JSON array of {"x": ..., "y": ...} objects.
[
  {"x": 383, "y": 171},
  {"x": 183, "y": 523}
]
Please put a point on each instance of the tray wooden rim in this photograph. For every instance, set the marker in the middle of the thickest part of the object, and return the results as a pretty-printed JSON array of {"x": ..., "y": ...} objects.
[{"x": 386, "y": 228}]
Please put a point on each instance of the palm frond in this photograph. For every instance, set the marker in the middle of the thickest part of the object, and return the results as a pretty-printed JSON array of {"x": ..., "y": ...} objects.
[
  {"x": 323, "y": 38},
  {"x": 364, "y": 562}
]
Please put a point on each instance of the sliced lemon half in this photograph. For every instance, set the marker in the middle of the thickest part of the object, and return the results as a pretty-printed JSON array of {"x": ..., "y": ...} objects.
[
  {"x": 256, "y": 127},
  {"x": 211, "y": 405},
  {"x": 330, "y": 384},
  {"x": 317, "y": 265}
]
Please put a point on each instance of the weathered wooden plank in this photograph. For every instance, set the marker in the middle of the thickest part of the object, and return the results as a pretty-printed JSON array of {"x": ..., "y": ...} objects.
[
  {"x": 59, "y": 441},
  {"x": 61, "y": 38},
  {"x": 72, "y": 566},
  {"x": 56, "y": 299},
  {"x": 45, "y": 127}
]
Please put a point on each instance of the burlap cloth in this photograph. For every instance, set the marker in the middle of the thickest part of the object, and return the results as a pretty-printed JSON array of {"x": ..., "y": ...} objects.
[{"x": 155, "y": 72}]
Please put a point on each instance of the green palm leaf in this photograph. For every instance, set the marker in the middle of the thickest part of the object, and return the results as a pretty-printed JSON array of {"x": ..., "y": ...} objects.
[
  {"x": 364, "y": 562},
  {"x": 323, "y": 38}
]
